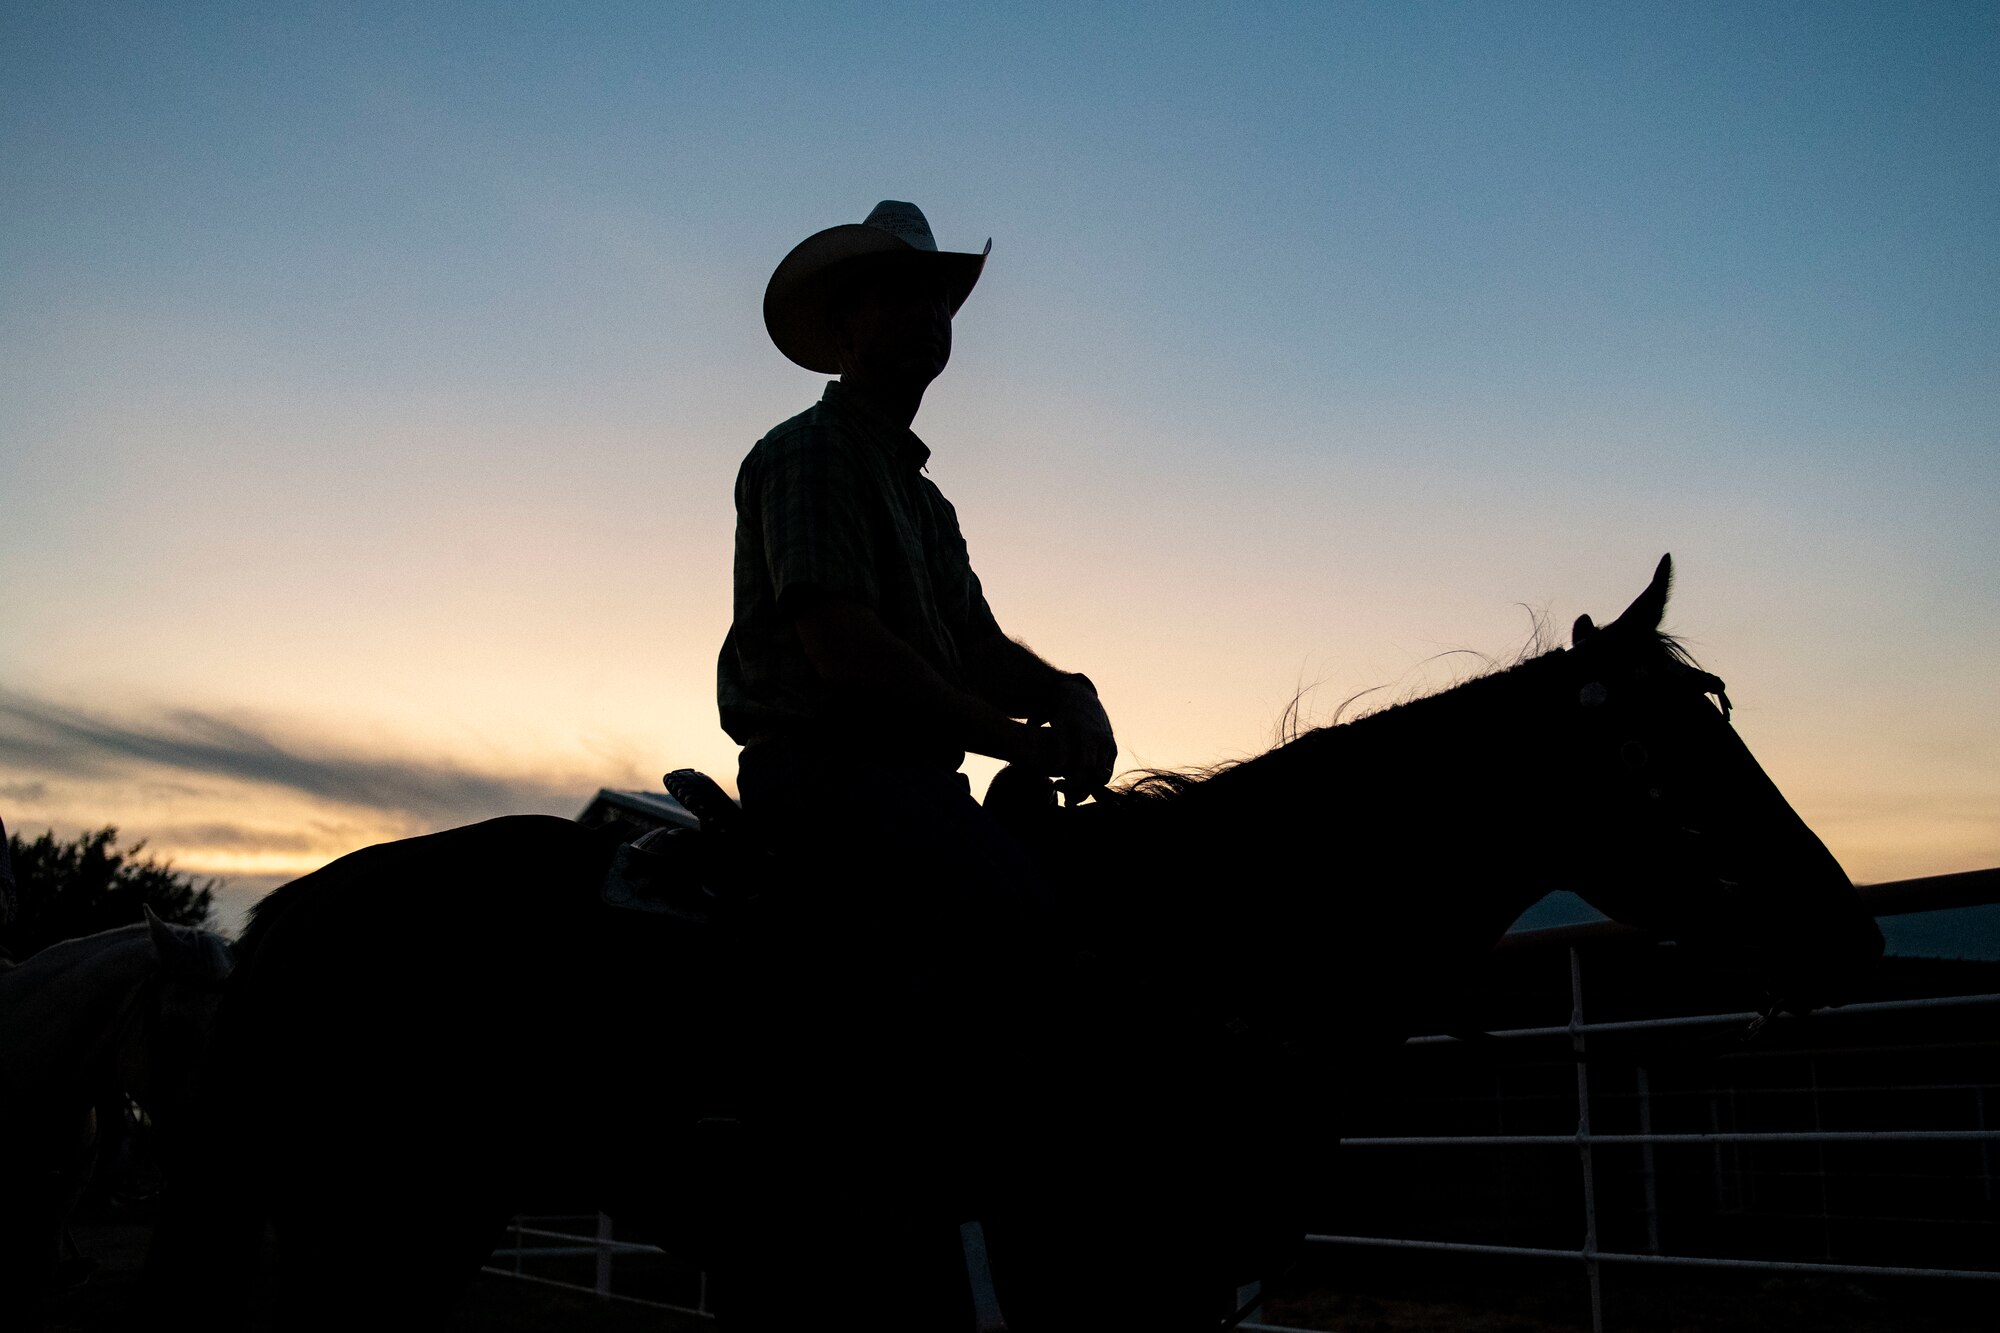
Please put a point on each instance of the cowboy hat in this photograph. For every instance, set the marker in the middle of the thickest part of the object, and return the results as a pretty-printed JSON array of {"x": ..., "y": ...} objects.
[{"x": 798, "y": 302}]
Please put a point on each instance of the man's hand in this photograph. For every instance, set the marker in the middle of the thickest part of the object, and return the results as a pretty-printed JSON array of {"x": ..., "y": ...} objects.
[{"x": 1081, "y": 749}]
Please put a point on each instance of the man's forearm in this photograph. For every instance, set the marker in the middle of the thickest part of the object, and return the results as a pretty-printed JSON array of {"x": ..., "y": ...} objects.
[
  {"x": 1012, "y": 677},
  {"x": 851, "y": 649},
  {"x": 1020, "y": 683}
]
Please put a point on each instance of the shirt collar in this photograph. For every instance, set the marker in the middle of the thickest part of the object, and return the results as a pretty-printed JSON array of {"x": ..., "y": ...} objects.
[{"x": 900, "y": 441}]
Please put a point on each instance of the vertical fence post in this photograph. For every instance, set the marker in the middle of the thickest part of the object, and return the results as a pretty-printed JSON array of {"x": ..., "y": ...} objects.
[
  {"x": 979, "y": 1279},
  {"x": 603, "y": 1254},
  {"x": 1715, "y": 1154},
  {"x": 1742, "y": 1182},
  {"x": 1647, "y": 1174},
  {"x": 1819, "y": 1162},
  {"x": 1590, "y": 1265},
  {"x": 1985, "y": 1145}
]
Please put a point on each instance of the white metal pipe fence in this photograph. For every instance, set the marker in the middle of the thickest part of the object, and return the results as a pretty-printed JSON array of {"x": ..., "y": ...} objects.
[{"x": 1584, "y": 1139}]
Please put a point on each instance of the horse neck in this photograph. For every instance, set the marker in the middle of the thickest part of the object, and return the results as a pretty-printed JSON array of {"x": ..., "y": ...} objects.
[
  {"x": 1457, "y": 794},
  {"x": 66, "y": 1007},
  {"x": 1403, "y": 844}
]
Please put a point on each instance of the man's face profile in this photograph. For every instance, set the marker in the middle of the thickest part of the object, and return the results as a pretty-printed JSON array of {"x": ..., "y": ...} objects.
[{"x": 893, "y": 325}]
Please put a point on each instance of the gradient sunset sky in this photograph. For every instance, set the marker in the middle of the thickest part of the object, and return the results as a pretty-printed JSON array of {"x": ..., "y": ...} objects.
[{"x": 373, "y": 379}]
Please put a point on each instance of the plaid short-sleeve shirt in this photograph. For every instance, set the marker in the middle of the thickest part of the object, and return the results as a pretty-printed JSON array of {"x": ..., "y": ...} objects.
[{"x": 835, "y": 500}]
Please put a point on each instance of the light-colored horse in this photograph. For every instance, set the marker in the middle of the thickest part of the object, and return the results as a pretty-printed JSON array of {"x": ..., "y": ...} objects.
[{"x": 83, "y": 1023}]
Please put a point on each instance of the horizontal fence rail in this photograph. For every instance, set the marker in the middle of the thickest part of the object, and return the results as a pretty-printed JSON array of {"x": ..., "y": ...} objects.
[
  {"x": 1725, "y": 1136},
  {"x": 583, "y": 1244},
  {"x": 1718, "y": 1020},
  {"x": 1662, "y": 1260},
  {"x": 601, "y": 1246}
]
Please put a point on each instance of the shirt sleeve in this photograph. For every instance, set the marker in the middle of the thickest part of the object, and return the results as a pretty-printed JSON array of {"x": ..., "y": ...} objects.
[
  {"x": 962, "y": 600},
  {"x": 811, "y": 503},
  {"x": 979, "y": 622}
]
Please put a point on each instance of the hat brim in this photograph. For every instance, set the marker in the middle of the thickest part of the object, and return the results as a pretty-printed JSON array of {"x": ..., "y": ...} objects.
[{"x": 799, "y": 297}]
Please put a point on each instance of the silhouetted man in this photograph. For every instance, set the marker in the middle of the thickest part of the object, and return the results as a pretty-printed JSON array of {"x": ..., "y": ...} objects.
[
  {"x": 862, "y": 664},
  {"x": 861, "y": 634}
]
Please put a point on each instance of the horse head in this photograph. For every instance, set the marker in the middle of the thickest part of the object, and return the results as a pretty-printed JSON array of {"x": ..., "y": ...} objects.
[
  {"x": 1678, "y": 829},
  {"x": 198, "y": 959},
  {"x": 159, "y": 1050}
]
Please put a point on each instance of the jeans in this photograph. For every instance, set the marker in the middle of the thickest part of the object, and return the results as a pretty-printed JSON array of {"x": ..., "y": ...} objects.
[{"x": 904, "y": 857}]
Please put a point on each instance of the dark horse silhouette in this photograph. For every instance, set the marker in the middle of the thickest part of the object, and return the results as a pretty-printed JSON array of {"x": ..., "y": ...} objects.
[{"x": 428, "y": 1035}]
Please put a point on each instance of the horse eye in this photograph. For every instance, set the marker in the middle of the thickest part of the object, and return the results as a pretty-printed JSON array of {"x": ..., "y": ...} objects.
[
  {"x": 1633, "y": 754},
  {"x": 1593, "y": 695}
]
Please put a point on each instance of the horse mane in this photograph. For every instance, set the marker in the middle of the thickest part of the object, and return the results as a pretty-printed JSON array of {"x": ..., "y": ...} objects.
[
  {"x": 266, "y": 911},
  {"x": 264, "y": 914},
  {"x": 1322, "y": 747}
]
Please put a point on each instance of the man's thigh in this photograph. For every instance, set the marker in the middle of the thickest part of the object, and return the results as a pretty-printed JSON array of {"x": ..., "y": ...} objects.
[
  {"x": 913, "y": 839},
  {"x": 944, "y": 917}
]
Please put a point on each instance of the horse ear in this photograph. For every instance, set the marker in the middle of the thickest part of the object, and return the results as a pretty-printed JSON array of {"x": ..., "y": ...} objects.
[
  {"x": 1582, "y": 630},
  {"x": 163, "y": 934},
  {"x": 1651, "y": 606},
  {"x": 185, "y": 956}
]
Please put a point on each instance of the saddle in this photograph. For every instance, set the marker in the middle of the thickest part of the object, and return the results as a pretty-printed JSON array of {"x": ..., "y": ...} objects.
[
  {"x": 699, "y": 874},
  {"x": 720, "y": 865}
]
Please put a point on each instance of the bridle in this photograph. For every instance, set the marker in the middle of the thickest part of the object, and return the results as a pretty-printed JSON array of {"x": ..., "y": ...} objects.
[{"x": 1633, "y": 760}]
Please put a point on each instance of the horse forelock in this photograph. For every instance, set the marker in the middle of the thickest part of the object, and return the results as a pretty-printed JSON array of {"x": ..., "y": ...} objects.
[
  {"x": 217, "y": 959},
  {"x": 1678, "y": 651},
  {"x": 202, "y": 958}
]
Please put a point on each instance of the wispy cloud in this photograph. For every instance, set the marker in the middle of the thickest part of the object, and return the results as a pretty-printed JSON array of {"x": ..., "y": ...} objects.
[
  {"x": 40, "y": 736},
  {"x": 237, "y": 837}
]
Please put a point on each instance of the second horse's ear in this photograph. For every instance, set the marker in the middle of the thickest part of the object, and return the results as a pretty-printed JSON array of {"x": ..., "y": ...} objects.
[
  {"x": 1581, "y": 631},
  {"x": 190, "y": 957}
]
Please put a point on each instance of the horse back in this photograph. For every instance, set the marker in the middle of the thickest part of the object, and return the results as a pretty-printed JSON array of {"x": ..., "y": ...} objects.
[
  {"x": 536, "y": 865},
  {"x": 437, "y": 970},
  {"x": 369, "y": 1035}
]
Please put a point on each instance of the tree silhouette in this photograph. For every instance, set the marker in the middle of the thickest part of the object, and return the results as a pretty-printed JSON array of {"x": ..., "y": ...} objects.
[{"x": 65, "y": 889}]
